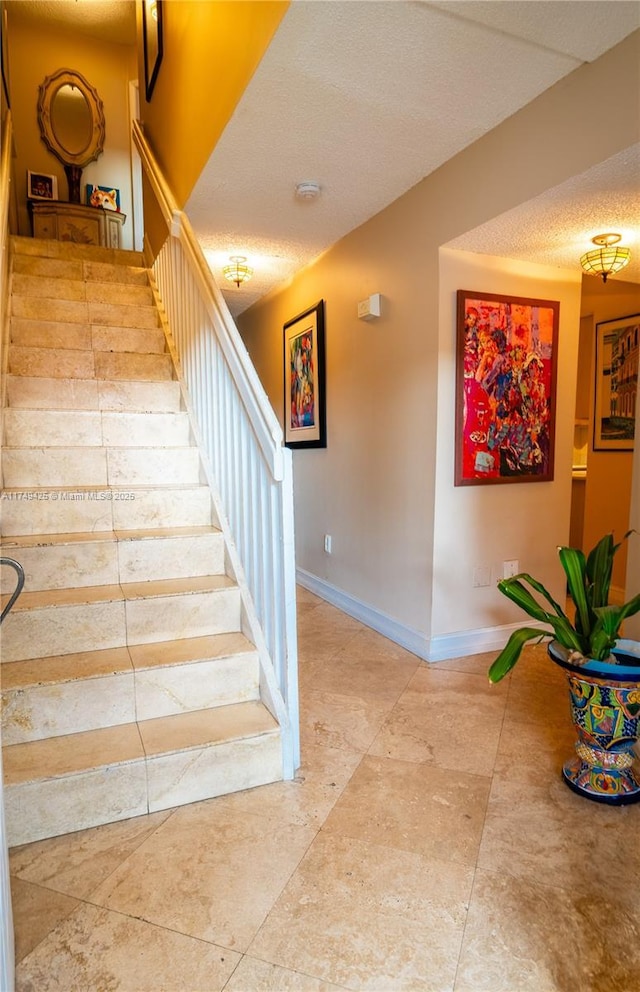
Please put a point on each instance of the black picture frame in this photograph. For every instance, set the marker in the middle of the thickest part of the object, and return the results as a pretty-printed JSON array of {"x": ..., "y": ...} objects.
[
  {"x": 616, "y": 385},
  {"x": 305, "y": 419},
  {"x": 152, "y": 42}
]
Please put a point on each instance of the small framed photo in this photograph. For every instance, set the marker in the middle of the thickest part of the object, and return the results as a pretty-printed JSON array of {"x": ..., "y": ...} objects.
[
  {"x": 506, "y": 388},
  {"x": 41, "y": 186},
  {"x": 304, "y": 380},
  {"x": 103, "y": 196},
  {"x": 616, "y": 392},
  {"x": 152, "y": 43}
]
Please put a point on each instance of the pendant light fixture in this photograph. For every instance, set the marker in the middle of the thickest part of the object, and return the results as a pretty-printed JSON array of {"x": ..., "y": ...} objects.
[
  {"x": 607, "y": 258},
  {"x": 237, "y": 271}
]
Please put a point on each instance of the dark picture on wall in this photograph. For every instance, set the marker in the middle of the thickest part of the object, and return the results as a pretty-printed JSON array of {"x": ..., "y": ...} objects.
[
  {"x": 616, "y": 392},
  {"x": 304, "y": 380},
  {"x": 152, "y": 43},
  {"x": 505, "y": 391}
]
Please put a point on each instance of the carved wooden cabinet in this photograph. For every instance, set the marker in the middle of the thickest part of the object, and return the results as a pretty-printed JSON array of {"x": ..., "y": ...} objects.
[{"x": 64, "y": 221}]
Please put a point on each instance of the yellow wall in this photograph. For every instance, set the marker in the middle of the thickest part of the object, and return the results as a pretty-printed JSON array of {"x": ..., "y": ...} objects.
[
  {"x": 211, "y": 50},
  {"x": 383, "y": 486},
  {"x": 34, "y": 54},
  {"x": 609, "y": 473}
]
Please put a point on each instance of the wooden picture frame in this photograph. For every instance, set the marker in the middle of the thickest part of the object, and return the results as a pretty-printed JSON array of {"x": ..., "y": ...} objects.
[
  {"x": 505, "y": 388},
  {"x": 41, "y": 186},
  {"x": 152, "y": 43},
  {"x": 304, "y": 380},
  {"x": 616, "y": 387}
]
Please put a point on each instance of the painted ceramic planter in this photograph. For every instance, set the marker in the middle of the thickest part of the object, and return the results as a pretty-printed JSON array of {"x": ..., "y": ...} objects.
[{"x": 605, "y": 708}]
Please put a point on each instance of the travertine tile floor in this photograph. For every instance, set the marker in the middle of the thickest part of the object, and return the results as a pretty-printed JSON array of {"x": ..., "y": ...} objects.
[{"x": 427, "y": 844}]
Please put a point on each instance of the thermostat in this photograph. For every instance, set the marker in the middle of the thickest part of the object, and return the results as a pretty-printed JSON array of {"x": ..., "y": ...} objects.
[{"x": 370, "y": 308}]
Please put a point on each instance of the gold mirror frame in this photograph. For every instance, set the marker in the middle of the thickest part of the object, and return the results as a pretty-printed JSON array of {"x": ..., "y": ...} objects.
[{"x": 48, "y": 90}]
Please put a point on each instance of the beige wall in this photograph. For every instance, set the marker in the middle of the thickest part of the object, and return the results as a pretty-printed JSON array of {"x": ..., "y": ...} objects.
[
  {"x": 609, "y": 473},
  {"x": 632, "y": 626},
  {"x": 34, "y": 54},
  {"x": 383, "y": 484},
  {"x": 211, "y": 50},
  {"x": 486, "y": 525}
]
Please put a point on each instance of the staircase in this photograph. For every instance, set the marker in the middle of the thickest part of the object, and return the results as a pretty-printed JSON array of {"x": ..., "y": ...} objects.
[{"x": 127, "y": 683}]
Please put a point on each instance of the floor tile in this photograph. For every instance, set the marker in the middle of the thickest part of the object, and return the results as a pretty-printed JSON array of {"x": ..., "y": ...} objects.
[
  {"x": 252, "y": 975},
  {"x": 308, "y": 798},
  {"x": 411, "y": 807},
  {"x": 337, "y": 720},
  {"x": 369, "y": 917},
  {"x": 528, "y": 937},
  {"x": 220, "y": 874},
  {"x": 547, "y": 834},
  {"x": 77, "y": 863},
  {"x": 460, "y": 731},
  {"x": 36, "y": 911},
  {"x": 98, "y": 950}
]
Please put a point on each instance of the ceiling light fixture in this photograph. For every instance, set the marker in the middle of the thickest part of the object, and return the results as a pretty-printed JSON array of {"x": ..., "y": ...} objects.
[
  {"x": 307, "y": 190},
  {"x": 237, "y": 271},
  {"x": 607, "y": 258}
]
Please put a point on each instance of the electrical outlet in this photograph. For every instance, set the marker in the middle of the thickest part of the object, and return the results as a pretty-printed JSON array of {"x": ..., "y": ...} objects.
[
  {"x": 327, "y": 543},
  {"x": 510, "y": 568}
]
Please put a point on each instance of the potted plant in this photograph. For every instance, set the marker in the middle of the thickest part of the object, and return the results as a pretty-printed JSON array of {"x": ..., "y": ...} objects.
[{"x": 602, "y": 669}]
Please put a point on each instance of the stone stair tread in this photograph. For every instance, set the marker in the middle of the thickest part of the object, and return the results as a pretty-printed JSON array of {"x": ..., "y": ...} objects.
[
  {"x": 155, "y": 533},
  {"x": 77, "y": 595},
  {"x": 187, "y": 650},
  {"x": 62, "y": 668},
  {"x": 50, "y": 248},
  {"x": 58, "y": 669},
  {"x": 58, "y": 757},
  {"x": 43, "y": 393}
]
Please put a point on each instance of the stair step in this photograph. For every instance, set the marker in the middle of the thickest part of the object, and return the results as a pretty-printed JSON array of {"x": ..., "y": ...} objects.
[
  {"x": 49, "y": 248},
  {"x": 75, "y": 363},
  {"x": 81, "y": 780},
  {"x": 95, "y": 617},
  {"x": 72, "y": 428},
  {"x": 83, "y": 312},
  {"x": 78, "y": 269},
  {"x": 107, "y": 557},
  {"x": 49, "y": 288},
  {"x": 93, "y": 466},
  {"x": 72, "y": 693},
  {"x": 39, "y": 393},
  {"x": 27, "y": 332},
  {"x": 73, "y": 511}
]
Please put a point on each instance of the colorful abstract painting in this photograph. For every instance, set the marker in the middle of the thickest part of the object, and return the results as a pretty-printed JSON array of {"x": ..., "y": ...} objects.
[
  {"x": 304, "y": 379},
  {"x": 506, "y": 374}
]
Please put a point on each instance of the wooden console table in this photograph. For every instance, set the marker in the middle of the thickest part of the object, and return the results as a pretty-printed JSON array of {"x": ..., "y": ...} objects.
[{"x": 65, "y": 221}]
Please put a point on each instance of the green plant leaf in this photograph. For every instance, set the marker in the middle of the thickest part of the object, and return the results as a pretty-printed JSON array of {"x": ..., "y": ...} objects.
[
  {"x": 512, "y": 651},
  {"x": 574, "y": 564},
  {"x": 514, "y": 590},
  {"x": 599, "y": 569}
]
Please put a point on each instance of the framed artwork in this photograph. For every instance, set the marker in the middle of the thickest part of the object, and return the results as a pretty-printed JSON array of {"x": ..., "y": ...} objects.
[
  {"x": 616, "y": 389},
  {"x": 152, "y": 43},
  {"x": 304, "y": 380},
  {"x": 103, "y": 196},
  {"x": 4, "y": 59},
  {"x": 505, "y": 388},
  {"x": 41, "y": 186}
]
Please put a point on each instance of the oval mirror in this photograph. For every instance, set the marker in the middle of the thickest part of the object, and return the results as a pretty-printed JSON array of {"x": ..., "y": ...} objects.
[{"x": 71, "y": 119}]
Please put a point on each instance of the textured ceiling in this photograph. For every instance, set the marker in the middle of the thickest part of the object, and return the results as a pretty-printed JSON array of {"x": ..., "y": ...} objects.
[
  {"x": 111, "y": 20},
  {"x": 368, "y": 98}
]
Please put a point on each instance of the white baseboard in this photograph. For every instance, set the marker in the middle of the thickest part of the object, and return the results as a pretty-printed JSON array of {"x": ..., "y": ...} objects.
[{"x": 438, "y": 648}]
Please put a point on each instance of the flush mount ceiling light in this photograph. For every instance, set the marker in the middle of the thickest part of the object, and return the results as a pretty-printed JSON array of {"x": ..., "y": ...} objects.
[
  {"x": 237, "y": 271},
  {"x": 607, "y": 258},
  {"x": 307, "y": 190}
]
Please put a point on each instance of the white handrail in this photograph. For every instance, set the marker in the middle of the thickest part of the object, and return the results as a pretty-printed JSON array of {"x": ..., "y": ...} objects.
[{"x": 248, "y": 468}]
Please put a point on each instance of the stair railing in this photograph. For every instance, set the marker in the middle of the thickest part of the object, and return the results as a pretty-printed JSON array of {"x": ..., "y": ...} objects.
[{"x": 248, "y": 468}]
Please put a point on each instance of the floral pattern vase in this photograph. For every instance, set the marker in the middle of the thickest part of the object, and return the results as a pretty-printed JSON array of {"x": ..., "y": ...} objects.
[{"x": 605, "y": 708}]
